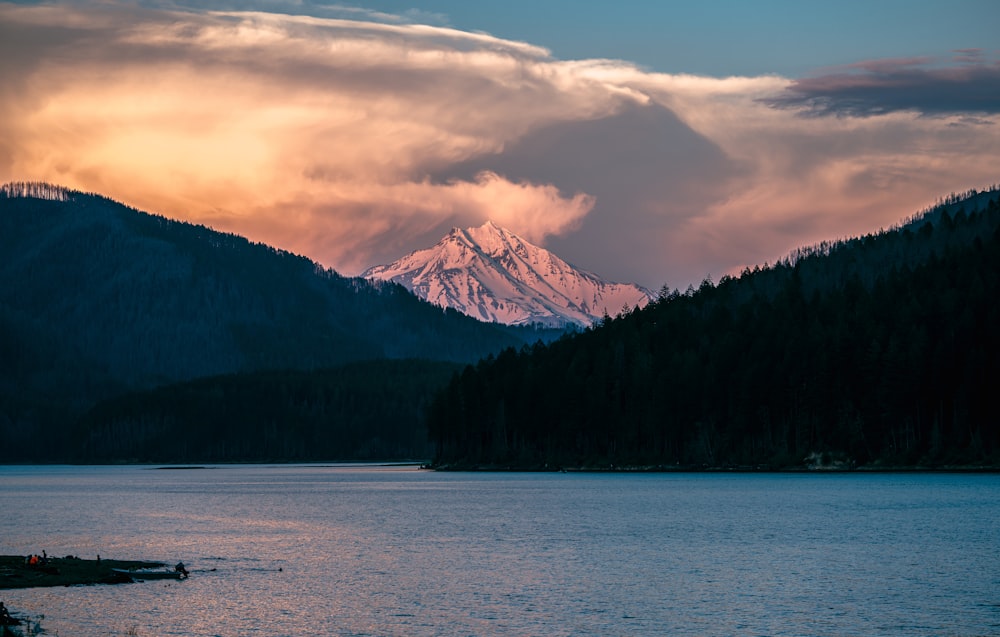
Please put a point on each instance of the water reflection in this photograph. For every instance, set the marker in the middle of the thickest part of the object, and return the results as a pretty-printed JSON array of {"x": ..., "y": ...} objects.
[{"x": 368, "y": 551}]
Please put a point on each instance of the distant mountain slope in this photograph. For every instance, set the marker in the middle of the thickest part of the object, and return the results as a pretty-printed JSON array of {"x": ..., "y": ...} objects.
[
  {"x": 492, "y": 274},
  {"x": 363, "y": 411},
  {"x": 97, "y": 298},
  {"x": 875, "y": 351}
]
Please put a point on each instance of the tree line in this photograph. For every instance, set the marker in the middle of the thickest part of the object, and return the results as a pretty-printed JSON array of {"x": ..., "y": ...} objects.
[
  {"x": 366, "y": 411},
  {"x": 881, "y": 350}
]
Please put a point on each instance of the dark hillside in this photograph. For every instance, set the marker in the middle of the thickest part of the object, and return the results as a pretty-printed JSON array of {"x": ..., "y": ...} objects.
[
  {"x": 368, "y": 411},
  {"x": 876, "y": 351},
  {"x": 97, "y": 299}
]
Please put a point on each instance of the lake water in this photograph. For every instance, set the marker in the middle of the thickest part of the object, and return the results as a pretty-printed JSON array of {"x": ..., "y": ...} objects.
[{"x": 320, "y": 550}]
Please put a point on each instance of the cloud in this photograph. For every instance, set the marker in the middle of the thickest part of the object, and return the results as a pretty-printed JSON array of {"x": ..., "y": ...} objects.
[
  {"x": 354, "y": 141},
  {"x": 332, "y": 10},
  {"x": 212, "y": 115},
  {"x": 647, "y": 170},
  {"x": 400, "y": 217},
  {"x": 969, "y": 86}
]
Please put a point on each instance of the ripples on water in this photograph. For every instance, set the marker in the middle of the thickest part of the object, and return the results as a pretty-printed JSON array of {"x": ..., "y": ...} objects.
[{"x": 311, "y": 550}]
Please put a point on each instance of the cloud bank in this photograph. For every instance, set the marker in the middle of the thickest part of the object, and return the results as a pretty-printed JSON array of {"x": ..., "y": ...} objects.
[
  {"x": 877, "y": 87},
  {"x": 356, "y": 140}
]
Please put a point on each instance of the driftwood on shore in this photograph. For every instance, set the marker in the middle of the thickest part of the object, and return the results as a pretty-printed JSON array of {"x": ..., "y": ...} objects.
[{"x": 66, "y": 571}]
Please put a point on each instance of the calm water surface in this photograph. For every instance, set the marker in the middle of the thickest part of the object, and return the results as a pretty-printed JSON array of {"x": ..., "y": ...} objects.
[{"x": 311, "y": 550}]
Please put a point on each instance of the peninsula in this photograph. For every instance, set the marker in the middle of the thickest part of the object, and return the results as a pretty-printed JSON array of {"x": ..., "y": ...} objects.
[{"x": 18, "y": 572}]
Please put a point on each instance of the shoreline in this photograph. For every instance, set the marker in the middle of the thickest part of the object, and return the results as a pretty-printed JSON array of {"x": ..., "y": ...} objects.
[
  {"x": 66, "y": 571},
  {"x": 503, "y": 467},
  {"x": 822, "y": 469}
]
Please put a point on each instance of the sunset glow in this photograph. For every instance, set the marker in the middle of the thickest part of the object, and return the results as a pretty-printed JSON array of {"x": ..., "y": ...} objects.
[{"x": 355, "y": 141}]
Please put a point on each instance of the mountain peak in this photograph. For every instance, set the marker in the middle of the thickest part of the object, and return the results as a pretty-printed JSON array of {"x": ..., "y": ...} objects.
[{"x": 490, "y": 273}]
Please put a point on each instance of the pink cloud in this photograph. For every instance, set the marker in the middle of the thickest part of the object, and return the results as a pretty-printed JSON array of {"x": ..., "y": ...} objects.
[{"x": 354, "y": 141}]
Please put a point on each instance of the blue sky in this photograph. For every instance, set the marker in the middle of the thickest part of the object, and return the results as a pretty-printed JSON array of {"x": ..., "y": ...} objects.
[
  {"x": 649, "y": 142},
  {"x": 724, "y": 37}
]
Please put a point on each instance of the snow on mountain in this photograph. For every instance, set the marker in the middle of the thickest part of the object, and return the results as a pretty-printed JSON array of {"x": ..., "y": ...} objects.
[{"x": 493, "y": 275}]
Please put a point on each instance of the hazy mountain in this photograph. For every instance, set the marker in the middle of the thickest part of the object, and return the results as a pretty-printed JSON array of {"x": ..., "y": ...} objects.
[{"x": 493, "y": 275}]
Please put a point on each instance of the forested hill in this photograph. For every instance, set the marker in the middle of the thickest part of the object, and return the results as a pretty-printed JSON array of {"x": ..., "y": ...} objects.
[
  {"x": 882, "y": 350},
  {"x": 97, "y": 299},
  {"x": 366, "y": 411}
]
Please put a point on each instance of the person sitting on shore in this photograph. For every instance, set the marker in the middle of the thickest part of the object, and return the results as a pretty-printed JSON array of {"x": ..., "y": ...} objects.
[{"x": 5, "y": 618}]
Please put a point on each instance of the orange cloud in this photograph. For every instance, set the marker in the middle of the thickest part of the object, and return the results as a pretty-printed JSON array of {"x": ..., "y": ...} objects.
[
  {"x": 353, "y": 142},
  {"x": 226, "y": 117}
]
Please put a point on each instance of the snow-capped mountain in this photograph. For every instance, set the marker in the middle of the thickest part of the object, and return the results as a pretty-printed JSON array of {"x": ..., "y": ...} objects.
[{"x": 493, "y": 275}]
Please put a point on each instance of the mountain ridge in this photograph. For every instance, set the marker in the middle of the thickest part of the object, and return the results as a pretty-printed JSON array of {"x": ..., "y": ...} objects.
[
  {"x": 492, "y": 274},
  {"x": 98, "y": 299}
]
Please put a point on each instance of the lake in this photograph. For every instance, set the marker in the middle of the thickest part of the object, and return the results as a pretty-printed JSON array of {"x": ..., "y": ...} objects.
[{"x": 341, "y": 550}]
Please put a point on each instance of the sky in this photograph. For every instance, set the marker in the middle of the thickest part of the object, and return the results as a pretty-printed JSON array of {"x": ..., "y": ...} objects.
[{"x": 650, "y": 142}]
